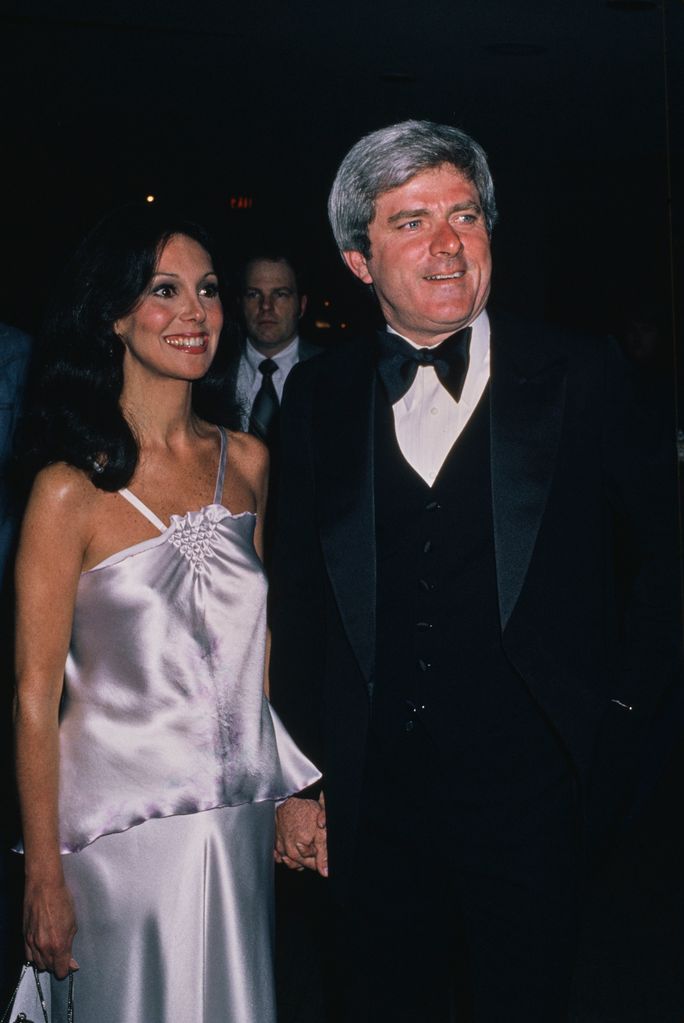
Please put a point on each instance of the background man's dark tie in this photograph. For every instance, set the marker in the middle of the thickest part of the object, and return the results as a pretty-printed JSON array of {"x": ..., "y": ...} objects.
[{"x": 264, "y": 416}]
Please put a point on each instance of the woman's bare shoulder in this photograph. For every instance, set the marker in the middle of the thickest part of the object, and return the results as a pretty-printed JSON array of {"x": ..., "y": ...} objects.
[
  {"x": 63, "y": 490},
  {"x": 59, "y": 521}
]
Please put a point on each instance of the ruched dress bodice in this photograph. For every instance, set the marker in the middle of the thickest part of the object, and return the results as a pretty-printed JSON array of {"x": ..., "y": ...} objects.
[{"x": 163, "y": 710}]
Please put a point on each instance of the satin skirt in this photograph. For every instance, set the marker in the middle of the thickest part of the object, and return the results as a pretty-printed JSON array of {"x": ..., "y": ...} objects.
[{"x": 175, "y": 921}]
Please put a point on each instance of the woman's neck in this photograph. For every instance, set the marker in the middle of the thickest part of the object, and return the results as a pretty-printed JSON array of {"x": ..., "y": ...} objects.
[{"x": 159, "y": 412}]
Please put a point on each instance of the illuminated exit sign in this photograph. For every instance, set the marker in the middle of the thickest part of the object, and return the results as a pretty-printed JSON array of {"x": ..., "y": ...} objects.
[{"x": 241, "y": 202}]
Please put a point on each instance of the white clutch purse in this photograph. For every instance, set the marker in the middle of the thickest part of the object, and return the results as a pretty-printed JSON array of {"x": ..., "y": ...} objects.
[{"x": 30, "y": 1002}]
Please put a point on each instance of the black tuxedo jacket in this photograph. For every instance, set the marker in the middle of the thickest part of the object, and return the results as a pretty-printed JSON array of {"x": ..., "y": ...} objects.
[{"x": 584, "y": 511}]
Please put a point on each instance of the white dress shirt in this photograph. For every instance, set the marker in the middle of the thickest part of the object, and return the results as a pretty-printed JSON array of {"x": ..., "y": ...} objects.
[
  {"x": 427, "y": 420},
  {"x": 249, "y": 378}
]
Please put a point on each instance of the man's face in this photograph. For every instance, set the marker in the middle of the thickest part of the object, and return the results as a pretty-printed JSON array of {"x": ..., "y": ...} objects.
[
  {"x": 430, "y": 262},
  {"x": 270, "y": 304}
]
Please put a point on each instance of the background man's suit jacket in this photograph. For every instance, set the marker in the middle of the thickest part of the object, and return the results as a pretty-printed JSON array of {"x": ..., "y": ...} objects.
[{"x": 584, "y": 511}]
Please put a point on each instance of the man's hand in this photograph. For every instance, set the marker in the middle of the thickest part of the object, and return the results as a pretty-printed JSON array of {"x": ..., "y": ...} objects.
[{"x": 301, "y": 839}]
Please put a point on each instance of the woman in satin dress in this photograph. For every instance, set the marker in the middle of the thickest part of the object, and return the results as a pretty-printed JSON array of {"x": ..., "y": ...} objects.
[{"x": 148, "y": 758}]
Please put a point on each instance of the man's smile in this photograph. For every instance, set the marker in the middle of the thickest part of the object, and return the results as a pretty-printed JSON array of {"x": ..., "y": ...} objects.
[{"x": 445, "y": 277}]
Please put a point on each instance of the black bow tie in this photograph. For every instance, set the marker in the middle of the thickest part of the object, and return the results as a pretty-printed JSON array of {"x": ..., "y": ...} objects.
[{"x": 398, "y": 362}]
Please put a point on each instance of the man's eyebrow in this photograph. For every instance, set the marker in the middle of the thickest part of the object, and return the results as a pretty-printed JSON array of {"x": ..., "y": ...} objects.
[
  {"x": 407, "y": 215},
  {"x": 279, "y": 287},
  {"x": 467, "y": 204}
]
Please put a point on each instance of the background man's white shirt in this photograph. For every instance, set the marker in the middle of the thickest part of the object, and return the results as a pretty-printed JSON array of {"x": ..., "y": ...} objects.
[{"x": 427, "y": 420}]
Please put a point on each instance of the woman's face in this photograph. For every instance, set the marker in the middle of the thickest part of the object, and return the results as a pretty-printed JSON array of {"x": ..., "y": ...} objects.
[{"x": 174, "y": 329}]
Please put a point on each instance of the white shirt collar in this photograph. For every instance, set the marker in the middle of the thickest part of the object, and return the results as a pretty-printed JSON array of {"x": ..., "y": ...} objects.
[
  {"x": 481, "y": 328},
  {"x": 286, "y": 358}
]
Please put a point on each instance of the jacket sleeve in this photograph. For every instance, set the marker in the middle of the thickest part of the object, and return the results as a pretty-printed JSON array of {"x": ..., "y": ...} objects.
[{"x": 297, "y": 575}]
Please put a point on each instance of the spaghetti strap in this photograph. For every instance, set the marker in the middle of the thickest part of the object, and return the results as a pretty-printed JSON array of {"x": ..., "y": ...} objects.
[
  {"x": 221, "y": 475},
  {"x": 218, "y": 490},
  {"x": 143, "y": 509}
]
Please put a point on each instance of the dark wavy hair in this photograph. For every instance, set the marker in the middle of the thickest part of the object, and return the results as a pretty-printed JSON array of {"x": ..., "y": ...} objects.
[{"x": 75, "y": 415}]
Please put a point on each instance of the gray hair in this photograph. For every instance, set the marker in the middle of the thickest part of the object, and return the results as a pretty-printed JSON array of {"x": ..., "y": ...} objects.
[{"x": 388, "y": 158}]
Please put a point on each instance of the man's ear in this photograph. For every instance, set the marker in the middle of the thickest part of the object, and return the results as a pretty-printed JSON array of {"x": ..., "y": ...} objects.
[
  {"x": 303, "y": 299},
  {"x": 358, "y": 265}
]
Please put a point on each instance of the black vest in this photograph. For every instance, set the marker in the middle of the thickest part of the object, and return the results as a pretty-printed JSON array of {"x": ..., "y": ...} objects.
[{"x": 440, "y": 662}]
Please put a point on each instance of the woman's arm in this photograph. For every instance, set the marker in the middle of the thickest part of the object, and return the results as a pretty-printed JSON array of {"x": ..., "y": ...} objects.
[{"x": 54, "y": 539}]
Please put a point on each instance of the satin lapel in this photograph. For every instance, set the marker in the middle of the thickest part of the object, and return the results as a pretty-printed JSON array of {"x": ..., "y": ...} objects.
[
  {"x": 527, "y": 404},
  {"x": 344, "y": 470}
]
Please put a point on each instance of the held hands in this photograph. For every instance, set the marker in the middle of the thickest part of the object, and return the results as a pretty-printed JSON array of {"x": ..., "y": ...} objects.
[
  {"x": 301, "y": 839},
  {"x": 49, "y": 928}
]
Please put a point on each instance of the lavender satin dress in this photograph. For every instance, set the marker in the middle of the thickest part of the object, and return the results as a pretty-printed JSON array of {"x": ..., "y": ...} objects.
[{"x": 171, "y": 759}]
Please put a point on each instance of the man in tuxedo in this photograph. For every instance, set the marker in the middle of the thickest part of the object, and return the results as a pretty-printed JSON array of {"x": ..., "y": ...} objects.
[
  {"x": 272, "y": 304},
  {"x": 475, "y": 605}
]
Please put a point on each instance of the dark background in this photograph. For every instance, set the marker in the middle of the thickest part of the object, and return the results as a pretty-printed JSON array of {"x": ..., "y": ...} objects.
[
  {"x": 579, "y": 104},
  {"x": 241, "y": 113}
]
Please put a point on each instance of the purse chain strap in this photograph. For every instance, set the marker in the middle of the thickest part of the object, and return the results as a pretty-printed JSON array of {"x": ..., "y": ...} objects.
[{"x": 22, "y": 1017}]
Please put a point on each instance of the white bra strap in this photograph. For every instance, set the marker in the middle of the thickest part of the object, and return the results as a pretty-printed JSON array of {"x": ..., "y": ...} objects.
[
  {"x": 218, "y": 492},
  {"x": 143, "y": 509}
]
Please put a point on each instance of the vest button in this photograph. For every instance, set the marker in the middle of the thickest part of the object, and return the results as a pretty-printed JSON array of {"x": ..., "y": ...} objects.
[
  {"x": 409, "y": 726},
  {"x": 424, "y": 665},
  {"x": 433, "y": 506}
]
